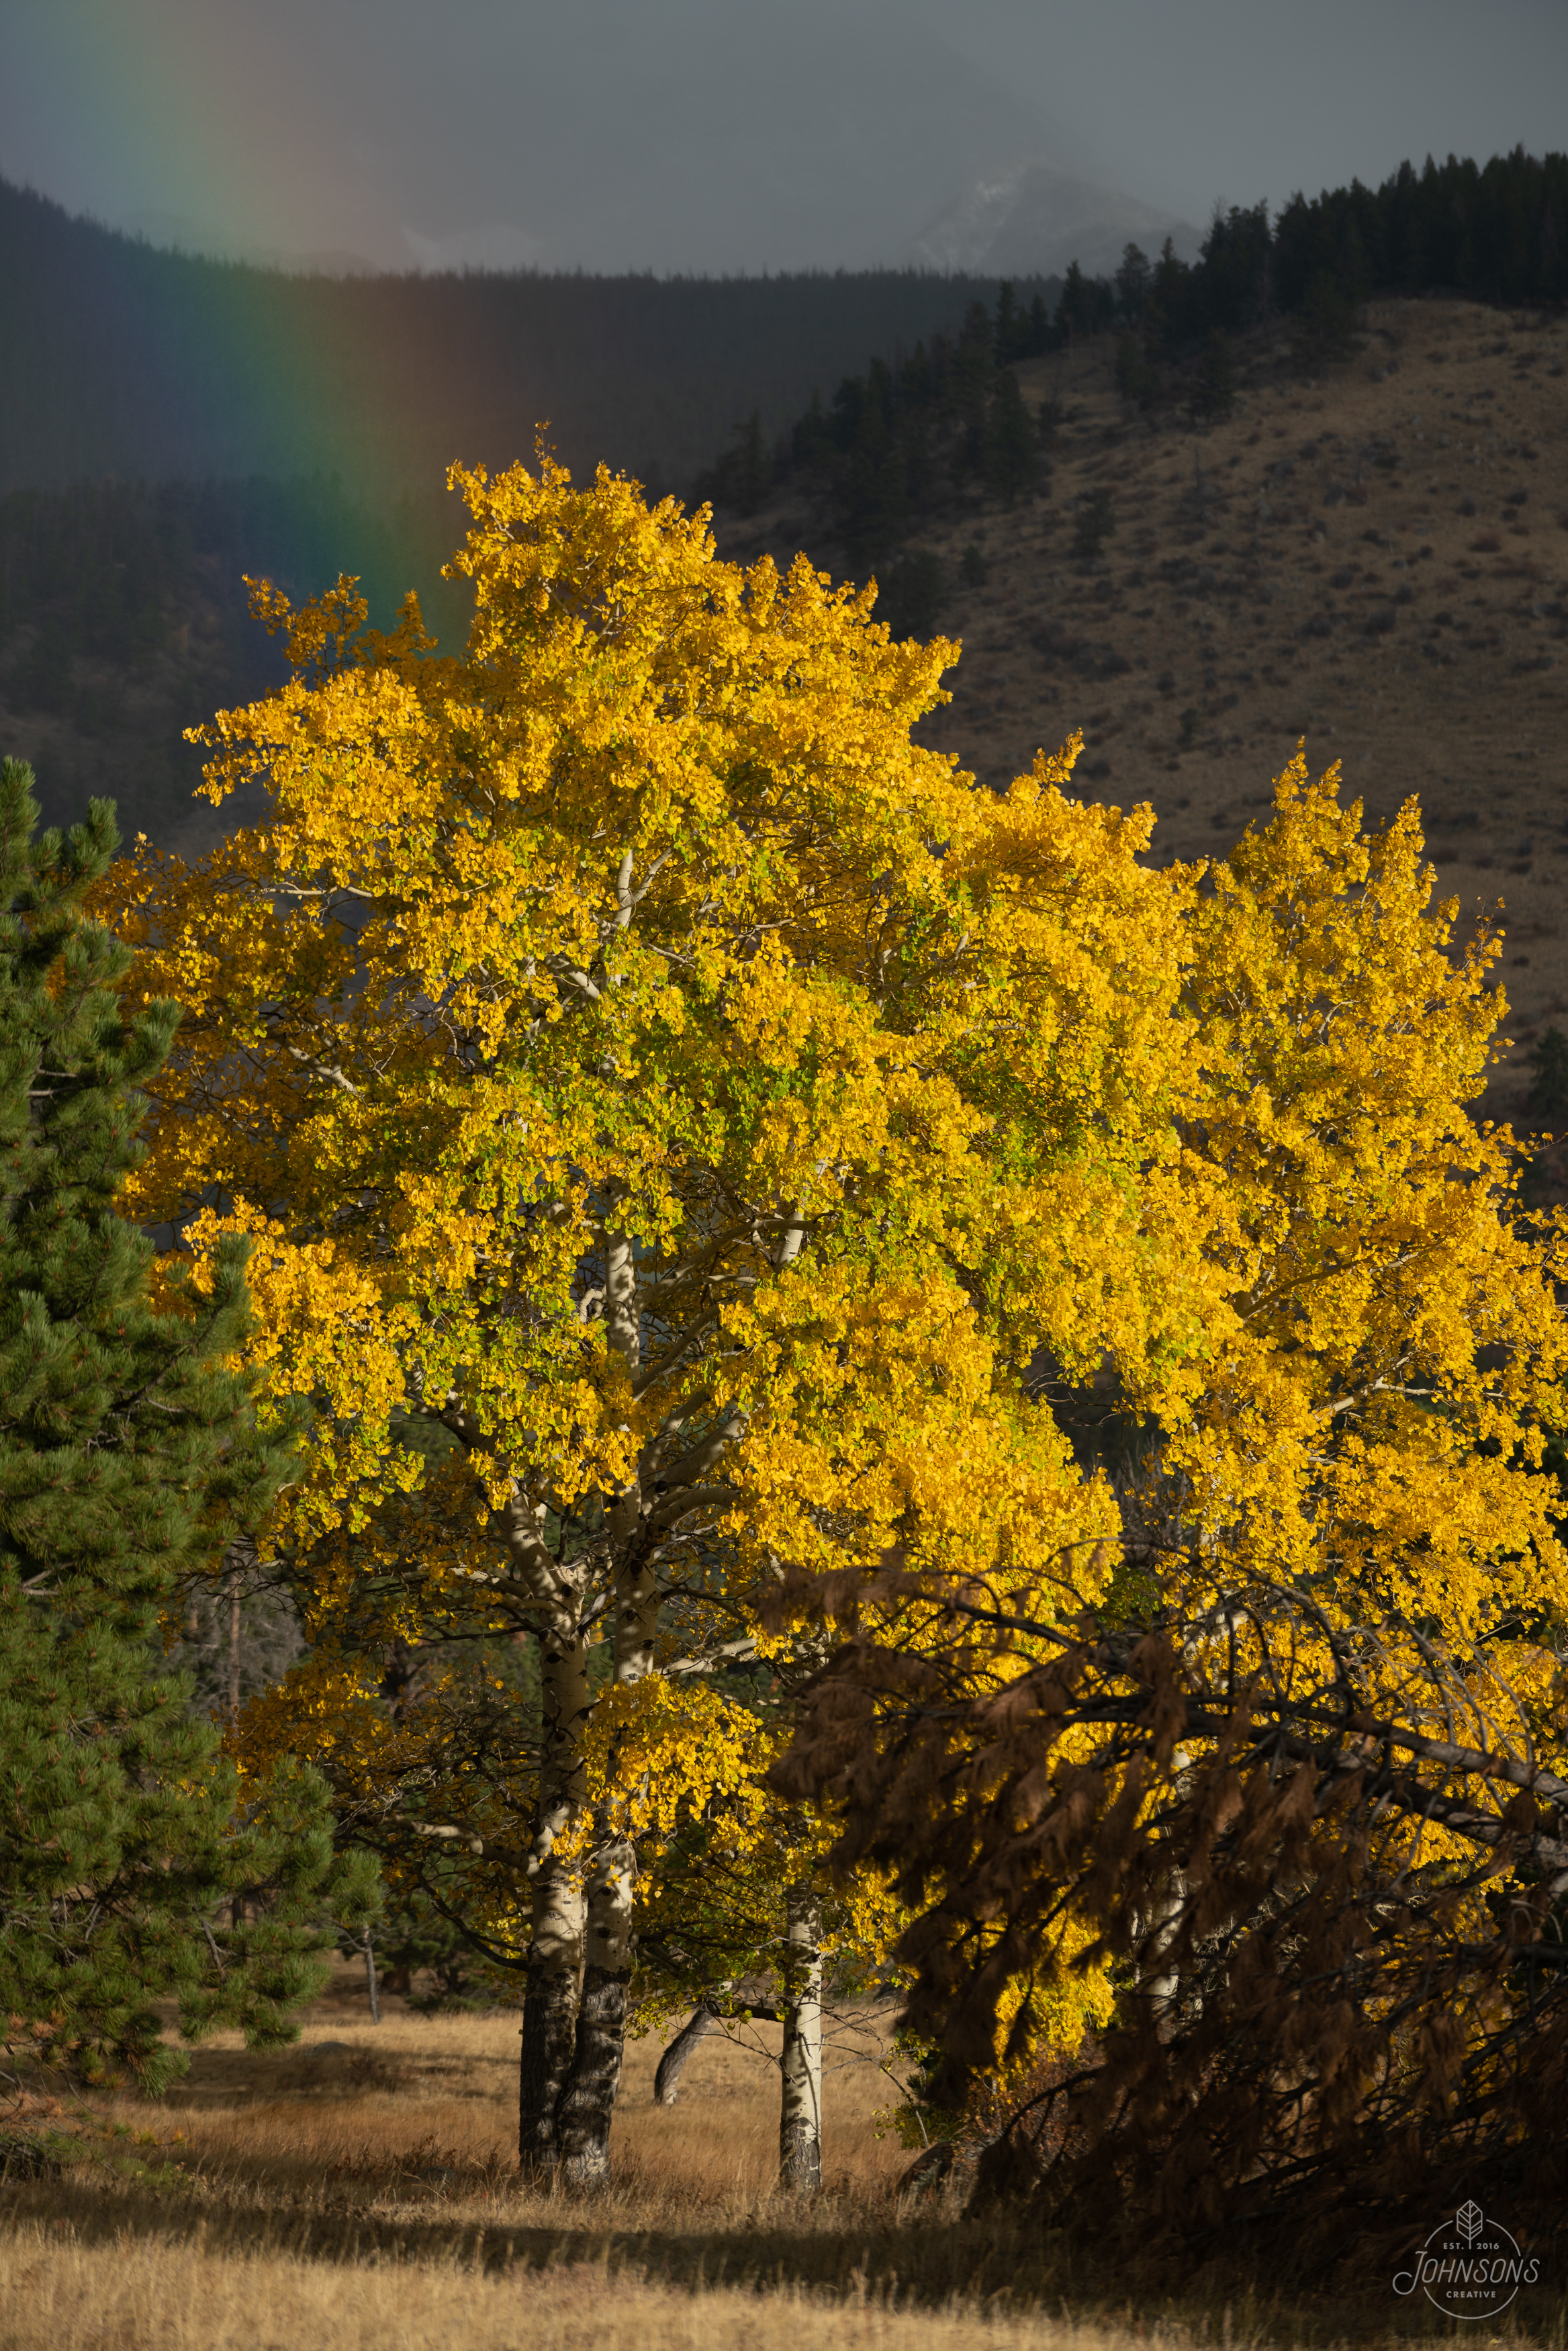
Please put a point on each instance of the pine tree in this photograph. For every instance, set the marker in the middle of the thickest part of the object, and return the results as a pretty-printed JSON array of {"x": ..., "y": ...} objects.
[
  {"x": 1325, "y": 328},
  {"x": 128, "y": 1452},
  {"x": 1214, "y": 392},
  {"x": 1134, "y": 278},
  {"x": 1012, "y": 338},
  {"x": 1096, "y": 520},
  {"x": 1012, "y": 458},
  {"x": 1136, "y": 380},
  {"x": 747, "y": 473}
]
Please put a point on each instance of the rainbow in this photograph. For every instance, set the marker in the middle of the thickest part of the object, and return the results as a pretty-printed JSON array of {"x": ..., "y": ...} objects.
[{"x": 144, "y": 362}]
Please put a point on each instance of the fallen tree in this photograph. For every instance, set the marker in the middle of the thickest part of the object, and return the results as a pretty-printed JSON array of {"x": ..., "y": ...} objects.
[{"x": 1326, "y": 1864}]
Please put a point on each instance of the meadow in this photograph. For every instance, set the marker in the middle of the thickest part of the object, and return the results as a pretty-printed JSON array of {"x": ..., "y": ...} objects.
[{"x": 359, "y": 2191}]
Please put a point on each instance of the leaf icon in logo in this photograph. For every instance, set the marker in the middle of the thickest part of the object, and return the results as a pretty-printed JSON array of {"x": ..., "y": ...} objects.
[{"x": 1469, "y": 2221}]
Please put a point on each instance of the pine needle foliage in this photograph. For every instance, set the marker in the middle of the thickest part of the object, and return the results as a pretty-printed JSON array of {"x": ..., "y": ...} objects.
[{"x": 128, "y": 1450}]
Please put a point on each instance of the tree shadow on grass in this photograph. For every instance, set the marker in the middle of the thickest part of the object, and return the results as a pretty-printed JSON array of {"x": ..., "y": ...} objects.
[
  {"x": 898, "y": 2254},
  {"x": 322, "y": 2070},
  {"x": 826, "y": 2246}
]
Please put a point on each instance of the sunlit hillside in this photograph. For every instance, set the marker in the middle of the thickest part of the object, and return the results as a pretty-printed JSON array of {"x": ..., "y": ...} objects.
[{"x": 1375, "y": 561}]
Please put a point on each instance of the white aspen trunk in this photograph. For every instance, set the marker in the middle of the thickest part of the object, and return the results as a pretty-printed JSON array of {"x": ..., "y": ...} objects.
[
  {"x": 1158, "y": 1977},
  {"x": 1159, "y": 1980},
  {"x": 583, "y": 2123},
  {"x": 800, "y": 2060},
  {"x": 588, "y": 2094},
  {"x": 623, "y": 1320},
  {"x": 574, "y": 2031},
  {"x": 555, "y": 1587},
  {"x": 549, "y": 2015},
  {"x": 635, "y": 1613},
  {"x": 637, "y": 1583},
  {"x": 673, "y": 2064},
  {"x": 800, "y": 2115},
  {"x": 556, "y": 1960},
  {"x": 792, "y": 1240}
]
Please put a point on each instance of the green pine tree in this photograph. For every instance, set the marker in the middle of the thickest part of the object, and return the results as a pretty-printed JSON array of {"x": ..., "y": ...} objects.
[
  {"x": 748, "y": 472},
  {"x": 911, "y": 594},
  {"x": 1549, "y": 1091},
  {"x": 1012, "y": 442},
  {"x": 1136, "y": 380},
  {"x": 1094, "y": 521},
  {"x": 1325, "y": 326},
  {"x": 414, "y": 1939},
  {"x": 1214, "y": 392},
  {"x": 1011, "y": 332},
  {"x": 134, "y": 1866}
]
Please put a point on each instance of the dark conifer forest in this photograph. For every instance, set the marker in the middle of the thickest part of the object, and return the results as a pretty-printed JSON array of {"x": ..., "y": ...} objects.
[
  {"x": 169, "y": 424},
  {"x": 127, "y": 360}
]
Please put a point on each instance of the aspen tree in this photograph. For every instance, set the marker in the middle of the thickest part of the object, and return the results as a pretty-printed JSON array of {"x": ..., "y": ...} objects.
[
  {"x": 1293, "y": 1754},
  {"x": 800, "y": 2116},
  {"x": 636, "y": 1060}
]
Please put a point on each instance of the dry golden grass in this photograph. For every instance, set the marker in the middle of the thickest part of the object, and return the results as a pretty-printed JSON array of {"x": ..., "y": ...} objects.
[
  {"x": 416, "y": 2095},
  {"x": 119, "y": 2297},
  {"x": 367, "y": 2196}
]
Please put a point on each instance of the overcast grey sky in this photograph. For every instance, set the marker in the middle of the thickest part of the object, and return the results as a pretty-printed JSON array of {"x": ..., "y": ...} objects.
[{"x": 729, "y": 134}]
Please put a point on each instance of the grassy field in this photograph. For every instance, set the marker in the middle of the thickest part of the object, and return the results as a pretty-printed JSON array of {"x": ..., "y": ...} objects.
[{"x": 363, "y": 2197}]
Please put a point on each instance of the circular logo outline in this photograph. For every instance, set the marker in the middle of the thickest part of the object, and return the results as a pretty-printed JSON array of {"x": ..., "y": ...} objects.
[{"x": 1470, "y": 2259}]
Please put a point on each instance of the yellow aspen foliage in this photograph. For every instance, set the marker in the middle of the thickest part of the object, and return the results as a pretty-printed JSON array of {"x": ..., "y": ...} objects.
[
  {"x": 1391, "y": 1358},
  {"x": 646, "y": 1071},
  {"x": 698, "y": 1145},
  {"x": 1267, "y": 1766},
  {"x": 703, "y": 1155}
]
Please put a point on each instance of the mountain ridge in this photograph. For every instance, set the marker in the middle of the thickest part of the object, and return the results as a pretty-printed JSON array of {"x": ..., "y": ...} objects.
[
  {"x": 1031, "y": 219},
  {"x": 130, "y": 361}
]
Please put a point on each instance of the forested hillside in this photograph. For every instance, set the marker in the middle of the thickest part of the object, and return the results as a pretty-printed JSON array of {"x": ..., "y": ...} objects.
[
  {"x": 125, "y": 360},
  {"x": 890, "y": 449},
  {"x": 293, "y": 427},
  {"x": 168, "y": 424},
  {"x": 1369, "y": 550}
]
